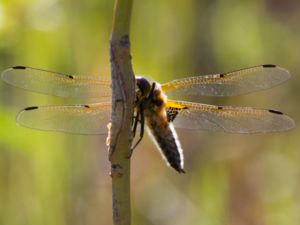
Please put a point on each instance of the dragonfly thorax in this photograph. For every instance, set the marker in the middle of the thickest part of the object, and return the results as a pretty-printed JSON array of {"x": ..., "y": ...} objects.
[{"x": 150, "y": 94}]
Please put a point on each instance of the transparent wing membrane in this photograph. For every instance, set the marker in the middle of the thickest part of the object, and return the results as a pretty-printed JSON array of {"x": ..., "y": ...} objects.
[
  {"x": 93, "y": 118},
  {"x": 57, "y": 84},
  {"x": 228, "y": 119},
  {"x": 228, "y": 84},
  {"x": 77, "y": 119}
]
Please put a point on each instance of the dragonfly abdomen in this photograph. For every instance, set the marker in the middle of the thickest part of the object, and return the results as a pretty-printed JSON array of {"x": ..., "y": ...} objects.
[{"x": 165, "y": 137}]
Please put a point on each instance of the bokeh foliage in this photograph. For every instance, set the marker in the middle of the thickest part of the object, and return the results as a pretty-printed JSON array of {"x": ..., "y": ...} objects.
[{"x": 54, "y": 178}]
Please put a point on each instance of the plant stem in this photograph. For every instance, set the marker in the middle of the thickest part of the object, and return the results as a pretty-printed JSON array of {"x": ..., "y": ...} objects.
[{"x": 123, "y": 88}]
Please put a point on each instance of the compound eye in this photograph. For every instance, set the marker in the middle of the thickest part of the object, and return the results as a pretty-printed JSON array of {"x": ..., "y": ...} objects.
[{"x": 143, "y": 85}]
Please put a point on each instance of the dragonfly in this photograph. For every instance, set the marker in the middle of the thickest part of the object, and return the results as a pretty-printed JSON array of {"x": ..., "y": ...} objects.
[{"x": 152, "y": 106}]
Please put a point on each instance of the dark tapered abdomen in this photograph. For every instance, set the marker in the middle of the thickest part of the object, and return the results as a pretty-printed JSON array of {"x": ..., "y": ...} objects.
[{"x": 166, "y": 139}]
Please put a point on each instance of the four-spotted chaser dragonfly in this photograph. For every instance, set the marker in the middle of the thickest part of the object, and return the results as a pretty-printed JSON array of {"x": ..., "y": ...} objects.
[{"x": 152, "y": 106}]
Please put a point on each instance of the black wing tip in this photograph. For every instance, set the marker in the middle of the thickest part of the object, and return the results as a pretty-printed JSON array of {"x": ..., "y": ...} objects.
[
  {"x": 19, "y": 67},
  {"x": 283, "y": 70},
  {"x": 275, "y": 112},
  {"x": 269, "y": 65},
  {"x": 31, "y": 108}
]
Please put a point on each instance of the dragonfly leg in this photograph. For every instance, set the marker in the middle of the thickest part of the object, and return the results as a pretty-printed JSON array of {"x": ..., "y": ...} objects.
[
  {"x": 142, "y": 123},
  {"x": 135, "y": 122}
]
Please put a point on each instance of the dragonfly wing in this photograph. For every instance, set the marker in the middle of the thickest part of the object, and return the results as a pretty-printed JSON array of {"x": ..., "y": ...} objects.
[
  {"x": 229, "y": 119},
  {"x": 238, "y": 82},
  {"x": 77, "y": 119},
  {"x": 57, "y": 84}
]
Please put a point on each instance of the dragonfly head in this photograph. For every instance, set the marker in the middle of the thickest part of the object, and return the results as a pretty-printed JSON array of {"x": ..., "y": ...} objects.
[{"x": 143, "y": 88}]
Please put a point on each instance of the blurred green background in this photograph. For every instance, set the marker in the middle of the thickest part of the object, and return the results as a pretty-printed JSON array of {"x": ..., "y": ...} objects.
[{"x": 55, "y": 178}]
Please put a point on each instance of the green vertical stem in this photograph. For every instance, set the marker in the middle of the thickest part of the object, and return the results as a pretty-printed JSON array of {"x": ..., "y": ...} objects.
[{"x": 123, "y": 87}]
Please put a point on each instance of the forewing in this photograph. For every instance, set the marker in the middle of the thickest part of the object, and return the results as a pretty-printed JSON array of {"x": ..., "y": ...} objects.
[
  {"x": 77, "y": 119},
  {"x": 228, "y": 119},
  {"x": 57, "y": 84},
  {"x": 228, "y": 84}
]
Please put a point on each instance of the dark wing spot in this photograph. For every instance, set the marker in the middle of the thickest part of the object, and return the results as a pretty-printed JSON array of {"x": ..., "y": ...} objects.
[
  {"x": 172, "y": 112},
  {"x": 70, "y": 76},
  {"x": 19, "y": 67},
  {"x": 276, "y": 112},
  {"x": 269, "y": 65},
  {"x": 220, "y": 107},
  {"x": 87, "y": 106},
  {"x": 31, "y": 108},
  {"x": 222, "y": 75}
]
